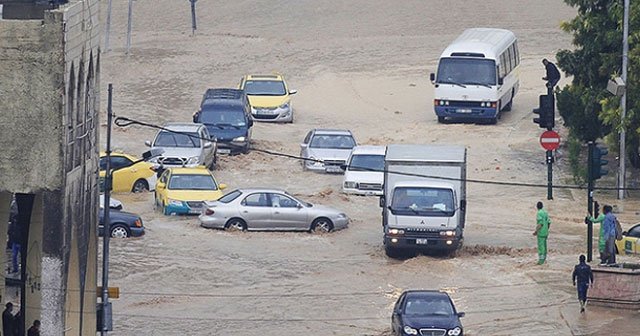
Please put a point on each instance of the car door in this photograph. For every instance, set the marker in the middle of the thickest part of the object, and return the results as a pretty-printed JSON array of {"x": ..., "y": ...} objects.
[
  {"x": 288, "y": 213},
  {"x": 161, "y": 188},
  {"x": 124, "y": 173},
  {"x": 304, "y": 146},
  {"x": 396, "y": 322},
  {"x": 632, "y": 240},
  {"x": 207, "y": 153},
  {"x": 256, "y": 210}
]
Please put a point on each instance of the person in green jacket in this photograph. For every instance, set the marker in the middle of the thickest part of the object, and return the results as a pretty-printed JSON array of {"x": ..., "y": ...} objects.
[
  {"x": 601, "y": 241},
  {"x": 542, "y": 232}
]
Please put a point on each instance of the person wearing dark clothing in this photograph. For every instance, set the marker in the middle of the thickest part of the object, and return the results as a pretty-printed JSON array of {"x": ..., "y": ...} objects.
[
  {"x": 583, "y": 278},
  {"x": 34, "y": 330},
  {"x": 8, "y": 320},
  {"x": 14, "y": 236},
  {"x": 553, "y": 75}
]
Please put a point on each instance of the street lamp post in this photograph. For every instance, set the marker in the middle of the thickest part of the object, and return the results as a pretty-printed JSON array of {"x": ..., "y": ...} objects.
[
  {"x": 106, "y": 315},
  {"x": 623, "y": 101}
]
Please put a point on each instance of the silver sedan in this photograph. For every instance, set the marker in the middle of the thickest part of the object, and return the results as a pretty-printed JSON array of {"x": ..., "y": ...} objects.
[{"x": 269, "y": 209}]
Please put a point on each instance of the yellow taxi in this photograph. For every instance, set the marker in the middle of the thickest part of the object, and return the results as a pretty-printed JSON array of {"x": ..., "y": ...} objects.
[
  {"x": 182, "y": 191},
  {"x": 129, "y": 173},
  {"x": 630, "y": 243},
  {"x": 269, "y": 96}
]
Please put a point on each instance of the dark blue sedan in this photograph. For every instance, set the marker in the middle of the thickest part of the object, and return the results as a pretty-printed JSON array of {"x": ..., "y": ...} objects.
[
  {"x": 425, "y": 313},
  {"x": 123, "y": 224}
]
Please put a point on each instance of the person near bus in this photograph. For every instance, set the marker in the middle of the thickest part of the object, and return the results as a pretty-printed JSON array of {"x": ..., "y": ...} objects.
[{"x": 553, "y": 75}]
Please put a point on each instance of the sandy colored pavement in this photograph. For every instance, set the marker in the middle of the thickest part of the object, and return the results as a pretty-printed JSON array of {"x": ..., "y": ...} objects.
[{"x": 362, "y": 65}]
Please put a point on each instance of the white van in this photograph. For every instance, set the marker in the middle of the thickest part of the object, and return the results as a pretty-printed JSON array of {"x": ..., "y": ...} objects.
[
  {"x": 477, "y": 76},
  {"x": 364, "y": 173}
]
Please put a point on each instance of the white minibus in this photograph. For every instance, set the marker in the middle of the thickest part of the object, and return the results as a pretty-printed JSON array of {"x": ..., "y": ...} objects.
[{"x": 477, "y": 76}]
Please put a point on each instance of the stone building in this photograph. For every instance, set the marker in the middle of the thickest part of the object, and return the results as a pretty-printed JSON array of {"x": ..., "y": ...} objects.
[{"x": 49, "y": 101}]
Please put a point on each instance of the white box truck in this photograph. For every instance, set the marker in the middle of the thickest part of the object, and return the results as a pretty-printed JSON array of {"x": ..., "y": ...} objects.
[{"x": 424, "y": 200}]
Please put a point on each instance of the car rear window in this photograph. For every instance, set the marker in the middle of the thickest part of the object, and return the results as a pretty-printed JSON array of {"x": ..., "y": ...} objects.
[{"x": 228, "y": 198}]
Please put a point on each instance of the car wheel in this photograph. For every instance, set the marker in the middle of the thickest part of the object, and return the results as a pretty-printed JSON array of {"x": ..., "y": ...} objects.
[
  {"x": 140, "y": 186},
  {"x": 236, "y": 224},
  {"x": 442, "y": 120},
  {"x": 321, "y": 225},
  {"x": 119, "y": 231},
  {"x": 212, "y": 165}
]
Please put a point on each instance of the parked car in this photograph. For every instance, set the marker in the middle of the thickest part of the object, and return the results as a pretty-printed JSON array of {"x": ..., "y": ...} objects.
[
  {"x": 123, "y": 224},
  {"x": 129, "y": 173},
  {"x": 327, "y": 150},
  {"x": 425, "y": 312},
  {"x": 186, "y": 148},
  {"x": 630, "y": 243},
  {"x": 364, "y": 172},
  {"x": 183, "y": 190},
  {"x": 269, "y": 97},
  {"x": 113, "y": 203},
  {"x": 227, "y": 115},
  {"x": 269, "y": 209}
]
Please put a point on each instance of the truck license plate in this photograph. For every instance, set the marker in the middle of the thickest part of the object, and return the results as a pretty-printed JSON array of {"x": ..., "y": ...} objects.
[
  {"x": 463, "y": 110},
  {"x": 421, "y": 241}
]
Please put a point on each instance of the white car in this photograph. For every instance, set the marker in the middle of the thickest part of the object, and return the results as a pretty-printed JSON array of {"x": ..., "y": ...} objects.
[
  {"x": 364, "y": 174},
  {"x": 184, "y": 145},
  {"x": 113, "y": 203},
  {"x": 326, "y": 150}
]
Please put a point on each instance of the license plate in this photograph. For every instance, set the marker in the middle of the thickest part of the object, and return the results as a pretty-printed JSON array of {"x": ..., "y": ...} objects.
[
  {"x": 195, "y": 211},
  {"x": 224, "y": 150},
  {"x": 422, "y": 241},
  {"x": 463, "y": 110},
  {"x": 265, "y": 112},
  {"x": 333, "y": 169}
]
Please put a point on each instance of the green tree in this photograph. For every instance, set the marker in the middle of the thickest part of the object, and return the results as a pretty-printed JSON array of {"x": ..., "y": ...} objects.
[{"x": 588, "y": 110}]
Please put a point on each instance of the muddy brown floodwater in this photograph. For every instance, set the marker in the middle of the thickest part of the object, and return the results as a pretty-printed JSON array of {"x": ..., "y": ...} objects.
[{"x": 361, "y": 65}]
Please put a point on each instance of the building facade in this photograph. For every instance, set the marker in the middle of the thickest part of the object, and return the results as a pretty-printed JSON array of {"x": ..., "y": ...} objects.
[{"x": 49, "y": 103}]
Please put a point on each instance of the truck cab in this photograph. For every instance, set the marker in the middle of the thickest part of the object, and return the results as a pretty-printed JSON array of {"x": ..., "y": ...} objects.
[{"x": 424, "y": 200}]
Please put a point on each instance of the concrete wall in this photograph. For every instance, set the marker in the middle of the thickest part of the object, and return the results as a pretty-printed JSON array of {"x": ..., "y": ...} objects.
[{"x": 49, "y": 134}]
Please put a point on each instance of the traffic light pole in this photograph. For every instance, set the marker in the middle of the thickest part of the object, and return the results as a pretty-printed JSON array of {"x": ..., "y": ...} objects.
[
  {"x": 549, "y": 175},
  {"x": 591, "y": 146}
]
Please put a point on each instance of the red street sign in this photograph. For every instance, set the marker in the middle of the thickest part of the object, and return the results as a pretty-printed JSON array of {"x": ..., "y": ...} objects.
[{"x": 550, "y": 140}]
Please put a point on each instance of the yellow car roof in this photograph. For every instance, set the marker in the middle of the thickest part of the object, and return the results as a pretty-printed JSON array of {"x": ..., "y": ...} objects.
[
  {"x": 114, "y": 153},
  {"x": 271, "y": 77},
  {"x": 200, "y": 170}
]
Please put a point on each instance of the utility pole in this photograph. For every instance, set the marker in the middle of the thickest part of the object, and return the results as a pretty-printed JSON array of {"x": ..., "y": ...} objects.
[
  {"x": 106, "y": 232},
  {"x": 129, "y": 23},
  {"x": 623, "y": 101},
  {"x": 590, "y": 182},
  {"x": 108, "y": 28},
  {"x": 193, "y": 16}
]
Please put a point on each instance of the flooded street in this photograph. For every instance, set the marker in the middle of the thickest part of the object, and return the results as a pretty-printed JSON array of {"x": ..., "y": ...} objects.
[{"x": 364, "y": 66}]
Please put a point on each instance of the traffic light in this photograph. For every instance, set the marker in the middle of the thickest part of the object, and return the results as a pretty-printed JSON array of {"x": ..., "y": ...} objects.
[
  {"x": 546, "y": 111},
  {"x": 597, "y": 164}
]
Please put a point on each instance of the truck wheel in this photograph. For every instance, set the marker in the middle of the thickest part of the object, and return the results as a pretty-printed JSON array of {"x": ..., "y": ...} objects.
[{"x": 392, "y": 252}]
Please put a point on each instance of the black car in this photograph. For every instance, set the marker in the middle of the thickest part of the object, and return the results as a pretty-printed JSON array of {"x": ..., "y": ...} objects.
[
  {"x": 425, "y": 313},
  {"x": 227, "y": 115},
  {"x": 123, "y": 224}
]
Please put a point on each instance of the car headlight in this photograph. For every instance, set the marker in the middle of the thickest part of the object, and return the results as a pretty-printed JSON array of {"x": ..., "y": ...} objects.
[
  {"x": 410, "y": 331},
  {"x": 342, "y": 215},
  {"x": 175, "y": 202},
  {"x": 313, "y": 162},
  {"x": 284, "y": 106},
  {"x": 193, "y": 160},
  {"x": 240, "y": 139},
  {"x": 396, "y": 231},
  {"x": 448, "y": 233},
  {"x": 253, "y": 110},
  {"x": 455, "y": 331},
  {"x": 350, "y": 185}
]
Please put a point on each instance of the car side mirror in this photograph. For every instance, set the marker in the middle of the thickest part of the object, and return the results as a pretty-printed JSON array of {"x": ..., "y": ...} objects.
[
  {"x": 461, "y": 314},
  {"x": 222, "y": 186},
  {"x": 159, "y": 185},
  {"x": 432, "y": 77},
  {"x": 147, "y": 143},
  {"x": 500, "y": 81},
  {"x": 195, "y": 116},
  {"x": 624, "y": 233},
  {"x": 303, "y": 145},
  {"x": 381, "y": 201},
  {"x": 207, "y": 145},
  {"x": 250, "y": 122},
  {"x": 299, "y": 206},
  {"x": 463, "y": 205},
  {"x": 292, "y": 92}
]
